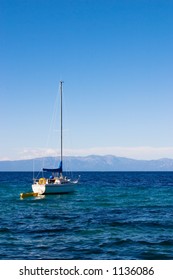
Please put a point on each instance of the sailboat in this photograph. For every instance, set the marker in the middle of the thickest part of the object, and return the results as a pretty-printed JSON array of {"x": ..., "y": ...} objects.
[{"x": 57, "y": 183}]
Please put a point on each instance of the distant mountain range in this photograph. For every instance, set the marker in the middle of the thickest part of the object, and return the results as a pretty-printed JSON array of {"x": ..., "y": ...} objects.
[{"x": 89, "y": 163}]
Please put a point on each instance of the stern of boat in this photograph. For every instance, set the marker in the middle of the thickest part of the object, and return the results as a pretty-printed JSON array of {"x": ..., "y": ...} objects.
[{"x": 39, "y": 186}]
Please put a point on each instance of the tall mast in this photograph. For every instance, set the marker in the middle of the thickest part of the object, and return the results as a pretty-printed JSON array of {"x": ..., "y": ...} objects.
[{"x": 61, "y": 82}]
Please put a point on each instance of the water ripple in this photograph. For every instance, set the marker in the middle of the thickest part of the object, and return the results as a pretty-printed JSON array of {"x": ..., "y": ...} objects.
[{"x": 116, "y": 215}]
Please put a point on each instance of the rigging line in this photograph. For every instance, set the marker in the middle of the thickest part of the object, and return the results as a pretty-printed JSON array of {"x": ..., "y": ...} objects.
[
  {"x": 52, "y": 122},
  {"x": 33, "y": 168},
  {"x": 67, "y": 132}
]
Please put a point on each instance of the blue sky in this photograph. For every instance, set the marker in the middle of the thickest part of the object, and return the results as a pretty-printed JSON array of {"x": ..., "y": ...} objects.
[{"x": 116, "y": 60}]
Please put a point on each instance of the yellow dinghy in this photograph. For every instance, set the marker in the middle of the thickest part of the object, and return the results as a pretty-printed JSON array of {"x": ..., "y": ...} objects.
[{"x": 24, "y": 195}]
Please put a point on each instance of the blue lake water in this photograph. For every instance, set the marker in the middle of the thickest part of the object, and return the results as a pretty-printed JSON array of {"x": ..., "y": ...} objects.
[{"x": 112, "y": 215}]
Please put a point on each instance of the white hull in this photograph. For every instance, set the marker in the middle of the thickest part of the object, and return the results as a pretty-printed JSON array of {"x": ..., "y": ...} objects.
[{"x": 53, "y": 188}]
